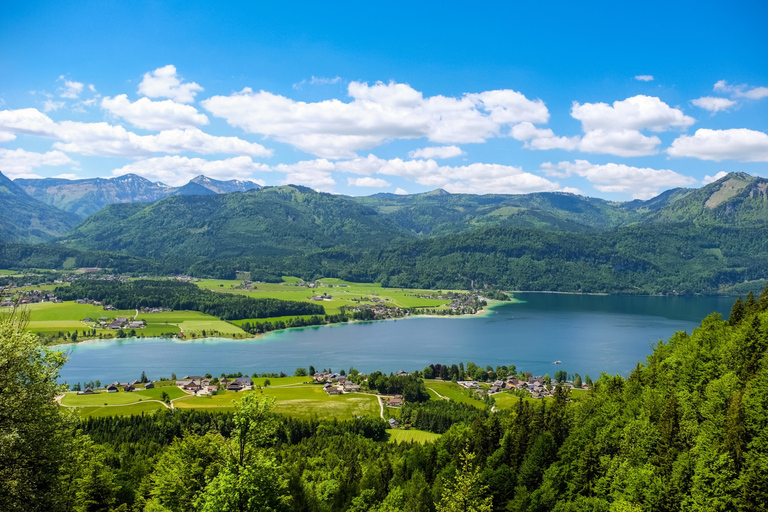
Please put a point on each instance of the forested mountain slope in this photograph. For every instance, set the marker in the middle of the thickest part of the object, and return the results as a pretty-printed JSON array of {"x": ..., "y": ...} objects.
[
  {"x": 686, "y": 430},
  {"x": 23, "y": 218},
  {"x": 271, "y": 221}
]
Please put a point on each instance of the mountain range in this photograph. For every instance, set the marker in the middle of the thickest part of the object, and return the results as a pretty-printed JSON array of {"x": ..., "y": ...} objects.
[
  {"x": 87, "y": 196},
  {"x": 706, "y": 240}
]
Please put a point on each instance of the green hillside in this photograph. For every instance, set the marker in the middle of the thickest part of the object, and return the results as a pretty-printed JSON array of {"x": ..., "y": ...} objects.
[
  {"x": 25, "y": 219},
  {"x": 271, "y": 221}
]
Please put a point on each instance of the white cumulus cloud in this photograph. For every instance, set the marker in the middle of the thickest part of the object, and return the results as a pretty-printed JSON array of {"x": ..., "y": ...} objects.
[
  {"x": 311, "y": 173},
  {"x": 71, "y": 89},
  {"x": 437, "y": 152},
  {"x": 367, "y": 181},
  {"x": 713, "y": 104},
  {"x": 641, "y": 183},
  {"x": 104, "y": 139},
  {"x": 619, "y": 142},
  {"x": 710, "y": 179},
  {"x": 17, "y": 163},
  {"x": 154, "y": 115},
  {"x": 644, "y": 78},
  {"x": 401, "y": 191},
  {"x": 741, "y": 90},
  {"x": 165, "y": 83},
  {"x": 377, "y": 113},
  {"x": 635, "y": 113},
  {"x": 739, "y": 144},
  {"x": 178, "y": 170},
  {"x": 542, "y": 138}
]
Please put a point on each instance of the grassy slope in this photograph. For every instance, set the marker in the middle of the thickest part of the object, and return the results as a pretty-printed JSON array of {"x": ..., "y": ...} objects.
[{"x": 411, "y": 436}]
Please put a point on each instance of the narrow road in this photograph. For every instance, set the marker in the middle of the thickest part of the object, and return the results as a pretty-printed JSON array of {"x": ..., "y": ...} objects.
[
  {"x": 137, "y": 314},
  {"x": 381, "y": 405},
  {"x": 58, "y": 399},
  {"x": 438, "y": 394}
]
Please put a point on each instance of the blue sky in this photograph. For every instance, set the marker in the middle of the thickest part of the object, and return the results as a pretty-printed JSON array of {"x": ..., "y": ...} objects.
[{"x": 616, "y": 101}]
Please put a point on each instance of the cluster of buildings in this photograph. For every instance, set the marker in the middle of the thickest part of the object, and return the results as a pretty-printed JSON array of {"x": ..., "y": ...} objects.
[
  {"x": 201, "y": 385},
  {"x": 117, "y": 323},
  {"x": 381, "y": 311},
  {"x": 536, "y": 386},
  {"x": 115, "y": 387},
  {"x": 336, "y": 384},
  {"x": 30, "y": 297}
]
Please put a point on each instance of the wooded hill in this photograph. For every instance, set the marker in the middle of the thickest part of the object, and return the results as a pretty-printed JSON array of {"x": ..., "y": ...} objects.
[
  {"x": 687, "y": 430},
  {"x": 707, "y": 240}
]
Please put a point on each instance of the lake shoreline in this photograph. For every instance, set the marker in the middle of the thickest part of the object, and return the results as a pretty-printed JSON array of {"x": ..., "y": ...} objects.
[{"x": 486, "y": 311}]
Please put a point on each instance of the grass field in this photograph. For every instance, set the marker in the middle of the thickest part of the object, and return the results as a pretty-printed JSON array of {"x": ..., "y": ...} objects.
[
  {"x": 102, "y": 397},
  {"x": 453, "y": 392},
  {"x": 411, "y": 436},
  {"x": 50, "y": 318},
  {"x": 350, "y": 294},
  {"x": 301, "y": 401},
  {"x": 126, "y": 410}
]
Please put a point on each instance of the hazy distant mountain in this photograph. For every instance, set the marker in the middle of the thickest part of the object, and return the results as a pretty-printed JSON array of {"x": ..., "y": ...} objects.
[
  {"x": 84, "y": 197},
  {"x": 87, "y": 196},
  {"x": 225, "y": 187},
  {"x": 25, "y": 219}
]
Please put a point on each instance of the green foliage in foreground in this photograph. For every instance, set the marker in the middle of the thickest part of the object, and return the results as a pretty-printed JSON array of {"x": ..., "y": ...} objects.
[
  {"x": 688, "y": 430},
  {"x": 180, "y": 295}
]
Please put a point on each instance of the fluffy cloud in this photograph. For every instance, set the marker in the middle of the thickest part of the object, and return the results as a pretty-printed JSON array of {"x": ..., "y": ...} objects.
[
  {"x": 742, "y": 90},
  {"x": 713, "y": 104},
  {"x": 709, "y": 179},
  {"x": 165, "y": 83},
  {"x": 71, "y": 90},
  {"x": 377, "y": 113},
  {"x": 619, "y": 143},
  {"x": 540, "y": 138},
  {"x": 178, "y": 170},
  {"x": 368, "y": 182},
  {"x": 154, "y": 115},
  {"x": 739, "y": 144},
  {"x": 635, "y": 113},
  {"x": 437, "y": 152},
  {"x": 401, "y": 191},
  {"x": 644, "y": 78},
  {"x": 17, "y": 163},
  {"x": 317, "y": 80},
  {"x": 6, "y": 137},
  {"x": 104, "y": 139},
  {"x": 641, "y": 183},
  {"x": 312, "y": 173},
  {"x": 475, "y": 178},
  {"x": 50, "y": 105}
]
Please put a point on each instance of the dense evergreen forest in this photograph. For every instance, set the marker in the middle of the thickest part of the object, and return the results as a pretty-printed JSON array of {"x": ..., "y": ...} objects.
[
  {"x": 181, "y": 295},
  {"x": 686, "y": 430}
]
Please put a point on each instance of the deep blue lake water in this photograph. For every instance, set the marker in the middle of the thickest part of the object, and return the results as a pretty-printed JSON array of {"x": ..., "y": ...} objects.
[{"x": 589, "y": 334}]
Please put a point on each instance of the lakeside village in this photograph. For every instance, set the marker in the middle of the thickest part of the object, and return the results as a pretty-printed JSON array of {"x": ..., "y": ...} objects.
[
  {"x": 392, "y": 389},
  {"x": 366, "y": 308}
]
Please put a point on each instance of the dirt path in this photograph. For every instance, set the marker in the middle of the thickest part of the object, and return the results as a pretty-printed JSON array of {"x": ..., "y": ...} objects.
[
  {"x": 381, "y": 405},
  {"x": 438, "y": 394},
  {"x": 60, "y": 397}
]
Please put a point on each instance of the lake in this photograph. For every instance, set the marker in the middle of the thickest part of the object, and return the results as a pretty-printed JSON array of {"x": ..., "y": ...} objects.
[{"x": 589, "y": 334}]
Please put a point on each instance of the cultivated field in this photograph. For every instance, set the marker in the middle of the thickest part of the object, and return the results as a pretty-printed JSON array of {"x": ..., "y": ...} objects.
[
  {"x": 453, "y": 392},
  {"x": 411, "y": 436}
]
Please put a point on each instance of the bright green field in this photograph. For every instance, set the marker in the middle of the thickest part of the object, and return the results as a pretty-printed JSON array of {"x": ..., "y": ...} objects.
[
  {"x": 126, "y": 410},
  {"x": 351, "y": 295},
  {"x": 299, "y": 401},
  {"x": 102, "y": 397},
  {"x": 281, "y": 381},
  {"x": 48, "y": 317},
  {"x": 453, "y": 392},
  {"x": 411, "y": 436}
]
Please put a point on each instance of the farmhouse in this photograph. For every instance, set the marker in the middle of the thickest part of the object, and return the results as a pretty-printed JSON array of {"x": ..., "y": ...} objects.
[
  {"x": 393, "y": 423},
  {"x": 112, "y": 388},
  {"x": 150, "y": 385}
]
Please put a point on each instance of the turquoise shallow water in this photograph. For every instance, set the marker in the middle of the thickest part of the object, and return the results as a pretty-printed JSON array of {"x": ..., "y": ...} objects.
[{"x": 589, "y": 334}]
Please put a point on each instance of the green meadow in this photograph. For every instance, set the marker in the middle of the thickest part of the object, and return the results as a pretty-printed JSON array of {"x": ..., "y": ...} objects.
[
  {"x": 125, "y": 410},
  {"x": 51, "y": 318},
  {"x": 101, "y": 397},
  {"x": 411, "y": 436},
  {"x": 348, "y": 294},
  {"x": 453, "y": 392},
  {"x": 300, "y": 401}
]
